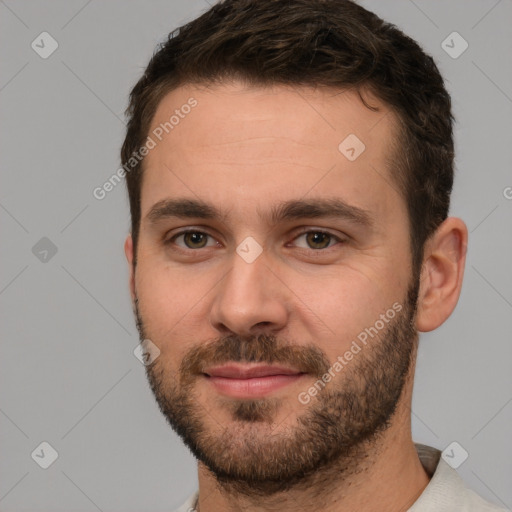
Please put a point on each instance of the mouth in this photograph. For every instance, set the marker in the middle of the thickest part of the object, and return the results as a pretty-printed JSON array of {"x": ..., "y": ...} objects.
[{"x": 250, "y": 381}]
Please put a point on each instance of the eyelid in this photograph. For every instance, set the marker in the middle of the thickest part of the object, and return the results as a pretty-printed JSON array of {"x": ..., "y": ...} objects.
[{"x": 314, "y": 229}]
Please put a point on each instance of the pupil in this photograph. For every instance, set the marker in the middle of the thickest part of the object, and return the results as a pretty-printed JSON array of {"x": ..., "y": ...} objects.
[
  {"x": 196, "y": 239},
  {"x": 317, "y": 238}
]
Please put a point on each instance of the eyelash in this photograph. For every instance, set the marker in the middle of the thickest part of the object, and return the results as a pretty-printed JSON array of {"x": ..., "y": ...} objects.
[{"x": 305, "y": 231}]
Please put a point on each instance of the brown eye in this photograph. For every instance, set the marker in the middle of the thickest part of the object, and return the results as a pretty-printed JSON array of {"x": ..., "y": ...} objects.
[
  {"x": 191, "y": 240},
  {"x": 318, "y": 239},
  {"x": 195, "y": 239}
]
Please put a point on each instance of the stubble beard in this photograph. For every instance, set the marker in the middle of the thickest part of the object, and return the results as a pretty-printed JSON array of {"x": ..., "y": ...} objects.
[{"x": 332, "y": 436}]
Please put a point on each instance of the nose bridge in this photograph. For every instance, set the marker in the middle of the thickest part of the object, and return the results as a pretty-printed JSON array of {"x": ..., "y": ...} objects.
[{"x": 249, "y": 297}]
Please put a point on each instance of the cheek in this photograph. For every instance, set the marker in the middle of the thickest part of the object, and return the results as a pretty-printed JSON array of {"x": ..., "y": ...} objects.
[
  {"x": 338, "y": 307},
  {"x": 167, "y": 301}
]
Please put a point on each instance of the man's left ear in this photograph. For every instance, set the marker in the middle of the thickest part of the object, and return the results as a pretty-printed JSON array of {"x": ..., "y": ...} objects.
[{"x": 441, "y": 274}]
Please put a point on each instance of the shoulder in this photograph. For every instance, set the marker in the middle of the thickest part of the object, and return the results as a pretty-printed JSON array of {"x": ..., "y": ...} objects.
[
  {"x": 446, "y": 491},
  {"x": 475, "y": 503}
]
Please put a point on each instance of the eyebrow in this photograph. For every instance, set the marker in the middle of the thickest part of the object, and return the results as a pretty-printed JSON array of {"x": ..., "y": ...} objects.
[{"x": 184, "y": 208}]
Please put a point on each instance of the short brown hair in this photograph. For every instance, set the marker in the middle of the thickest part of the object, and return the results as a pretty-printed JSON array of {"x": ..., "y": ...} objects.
[{"x": 334, "y": 43}]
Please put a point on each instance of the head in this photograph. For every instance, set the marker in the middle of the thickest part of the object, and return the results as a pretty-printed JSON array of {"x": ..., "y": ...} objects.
[{"x": 306, "y": 147}]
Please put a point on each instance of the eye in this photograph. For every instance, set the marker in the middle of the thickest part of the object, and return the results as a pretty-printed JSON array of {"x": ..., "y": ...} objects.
[
  {"x": 191, "y": 239},
  {"x": 317, "y": 240}
]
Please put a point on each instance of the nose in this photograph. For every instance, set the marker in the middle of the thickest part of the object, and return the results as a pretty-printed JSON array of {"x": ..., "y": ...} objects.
[{"x": 250, "y": 299}]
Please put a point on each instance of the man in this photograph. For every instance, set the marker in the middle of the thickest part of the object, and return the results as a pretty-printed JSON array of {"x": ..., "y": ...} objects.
[{"x": 289, "y": 168}]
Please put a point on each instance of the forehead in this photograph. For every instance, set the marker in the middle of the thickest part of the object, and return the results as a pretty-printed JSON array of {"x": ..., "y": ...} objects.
[
  {"x": 267, "y": 143},
  {"x": 228, "y": 112}
]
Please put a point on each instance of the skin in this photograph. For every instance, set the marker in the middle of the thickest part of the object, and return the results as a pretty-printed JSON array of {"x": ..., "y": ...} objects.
[{"x": 244, "y": 149}]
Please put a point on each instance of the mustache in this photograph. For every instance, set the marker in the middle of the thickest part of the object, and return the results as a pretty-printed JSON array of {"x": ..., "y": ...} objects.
[{"x": 263, "y": 348}]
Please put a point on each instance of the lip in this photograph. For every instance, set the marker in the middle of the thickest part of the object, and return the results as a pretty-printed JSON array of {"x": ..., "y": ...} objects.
[
  {"x": 250, "y": 381},
  {"x": 238, "y": 371}
]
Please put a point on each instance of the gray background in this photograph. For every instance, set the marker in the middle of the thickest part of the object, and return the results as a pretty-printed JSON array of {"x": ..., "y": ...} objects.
[{"x": 68, "y": 373}]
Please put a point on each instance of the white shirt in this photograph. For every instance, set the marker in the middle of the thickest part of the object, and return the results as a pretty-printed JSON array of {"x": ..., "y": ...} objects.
[{"x": 446, "y": 491}]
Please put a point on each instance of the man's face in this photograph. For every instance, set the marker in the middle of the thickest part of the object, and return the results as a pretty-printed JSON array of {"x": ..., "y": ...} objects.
[{"x": 276, "y": 281}]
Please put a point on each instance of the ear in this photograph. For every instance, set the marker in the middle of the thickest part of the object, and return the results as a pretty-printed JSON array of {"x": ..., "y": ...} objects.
[
  {"x": 441, "y": 274},
  {"x": 128, "y": 251}
]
